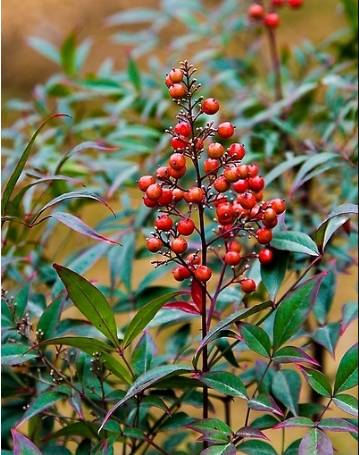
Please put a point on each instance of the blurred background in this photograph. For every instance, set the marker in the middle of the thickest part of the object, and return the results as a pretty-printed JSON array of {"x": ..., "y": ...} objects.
[{"x": 23, "y": 68}]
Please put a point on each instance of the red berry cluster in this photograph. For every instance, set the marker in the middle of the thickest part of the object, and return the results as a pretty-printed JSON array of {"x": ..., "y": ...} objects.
[
  {"x": 224, "y": 186},
  {"x": 271, "y": 17}
]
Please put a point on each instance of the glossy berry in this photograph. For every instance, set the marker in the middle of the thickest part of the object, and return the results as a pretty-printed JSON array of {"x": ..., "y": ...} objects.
[
  {"x": 179, "y": 245},
  {"x": 242, "y": 171},
  {"x": 154, "y": 191},
  {"x": 211, "y": 165},
  {"x": 232, "y": 258},
  {"x": 215, "y": 150},
  {"x": 145, "y": 181},
  {"x": 278, "y": 205},
  {"x": 185, "y": 227},
  {"x": 247, "y": 200},
  {"x": 252, "y": 170},
  {"x": 195, "y": 195},
  {"x": 210, "y": 106},
  {"x": 177, "y": 161},
  {"x": 193, "y": 259},
  {"x": 256, "y": 183},
  {"x": 178, "y": 143},
  {"x": 177, "y": 173},
  {"x": 225, "y": 213},
  {"x": 164, "y": 223},
  {"x": 269, "y": 215},
  {"x": 264, "y": 235},
  {"x": 231, "y": 174},
  {"x": 149, "y": 202},
  {"x": 248, "y": 285},
  {"x": 166, "y": 197},
  {"x": 236, "y": 151},
  {"x": 153, "y": 244},
  {"x": 162, "y": 173},
  {"x": 183, "y": 129},
  {"x": 256, "y": 11},
  {"x": 221, "y": 184},
  {"x": 177, "y": 194},
  {"x": 265, "y": 256},
  {"x": 234, "y": 246},
  {"x": 176, "y": 75},
  {"x": 272, "y": 20},
  {"x": 177, "y": 91},
  {"x": 181, "y": 273},
  {"x": 225, "y": 130},
  {"x": 295, "y": 3},
  {"x": 203, "y": 273},
  {"x": 278, "y": 3},
  {"x": 168, "y": 81},
  {"x": 240, "y": 186}
]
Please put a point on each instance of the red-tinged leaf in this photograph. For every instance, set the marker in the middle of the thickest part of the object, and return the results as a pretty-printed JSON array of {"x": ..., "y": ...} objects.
[
  {"x": 295, "y": 422},
  {"x": 337, "y": 425},
  {"x": 187, "y": 307},
  {"x": 22, "y": 445},
  {"x": 197, "y": 294},
  {"x": 315, "y": 442},
  {"x": 265, "y": 403},
  {"x": 76, "y": 224},
  {"x": 292, "y": 354},
  {"x": 251, "y": 433}
]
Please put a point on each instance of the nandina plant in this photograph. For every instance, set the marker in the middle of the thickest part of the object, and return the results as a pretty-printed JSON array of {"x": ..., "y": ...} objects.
[{"x": 132, "y": 393}]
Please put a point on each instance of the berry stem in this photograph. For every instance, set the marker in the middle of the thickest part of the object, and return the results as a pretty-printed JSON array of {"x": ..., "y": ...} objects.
[{"x": 273, "y": 48}]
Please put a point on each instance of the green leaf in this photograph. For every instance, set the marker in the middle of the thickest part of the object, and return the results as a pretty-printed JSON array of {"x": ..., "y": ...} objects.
[
  {"x": 292, "y": 449},
  {"x": 253, "y": 447},
  {"x": 315, "y": 443},
  {"x": 144, "y": 316},
  {"x": 10, "y": 185},
  {"x": 145, "y": 381},
  {"x": 309, "y": 164},
  {"x": 237, "y": 316},
  {"x": 286, "y": 386},
  {"x": 90, "y": 301},
  {"x": 15, "y": 354},
  {"x": 274, "y": 273},
  {"x": 278, "y": 170},
  {"x": 347, "y": 374},
  {"x": 318, "y": 382},
  {"x": 256, "y": 339},
  {"x": 338, "y": 425},
  {"x": 325, "y": 297},
  {"x": 121, "y": 262},
  {"x": 68, "y": 55},
  {"x": 44, "y": 48},
  {"x": 227, "y": 449},
  {"x": 49, "y": 320},
  {"x": 328, "y": 336},
  {"x": 142, "y": 354},
  {"x": 292, "y": 354},
  {"x": 296, "y": 242},
  {"x": 347, "y": 403},
  {"x": 88, "y": 345},
  {"x": 22, "y": 445},
  {"x": 265, "y": 403},
  {"x": 134, "y": 74},
  {"x": 296, "y": 422},
  {"x": 213, "y": 430},
  {"x": 21, "y": 300},
  {"x": 117, "y": 367},
  {"x": 226, "y": 383},
  {"x": 44, "y": 401},
  {"x": 291, "y": 313}
]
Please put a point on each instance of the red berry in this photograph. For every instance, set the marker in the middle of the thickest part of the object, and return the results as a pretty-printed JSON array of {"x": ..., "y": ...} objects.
[
  {"x": 177, "y": 194},
  {"x": 256, "y": 11},
  {"x": 168, "y": 81},
  {"x": 225, "y": 213},
  {"x": 199, "y": 144},
  {"x": 271, "y": 224},
  {"x": 178, "y": 143},
  {"x": 153, "y": 244},
  {"x": 166, "y": 197},
  {"x": 272, "y": 20},
  {"x": 183, "y": 129},
  {"x": 247, "y": 200},
  {"x": 154, "y": 191},
  {"x": 248, "y": 285},
  {"x": 177, "y": 173},
  {"x": 211, "y": 165},
  {"x": 145, "y": 181},
  {"x": 269, "y": 215},
  {"x": 193, "y": 259},
  {"x": 176, "y": 75},
  {"x": 278, "y": 3},
  {"x": 278, "y": 205},
  {"x": 232, "y": 258},
  {"x": 181, "y": 272},
  {"x": 221, "y": 184},
  {"x": 162, "y": 173},
  {"x": 186, "y": 226},
  {"x": 177, "y": 91},
  {"x": 256, "y": 183},
  {"x": 265, "y": 256},
  {"x": 225, "y": 130},
  {"x": 220, "y": 199},
  {"x": 195, "y": 195},
  {"x": 240, "y": 185},
  {"x": 295, "y": 3},
  {"x": 203, "y": 273},
  {"x": 215, "y": 150},
  {"x": 179, "y": 245},
  {"x": 264, "y": 235},
  {"x": 258, "y": 196},
  {"x": 236, "y": 151},
  {"x": 234, "y": 246},
  {"x": 210, "y": 106},
  {"x": 239, "y": 210},
  {"x": 231, "y": 174},
  {"x": 252, "y": 170},
  {"x": 149, "y": 202},
  {"x": 242, "y": 171},
  {"x": 164, "y": 223},
  {"x": 177, "y": 161}
]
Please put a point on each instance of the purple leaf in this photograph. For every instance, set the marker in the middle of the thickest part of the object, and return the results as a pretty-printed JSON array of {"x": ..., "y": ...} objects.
[
  {"x": 292, "y": 354},
  {"x": 337, "y": 425},
  {"x": 295, "y": 422},
  {"x": 187, "y": 307},
  {"x": 265, "y": 403},
  {"x": 252, "y": 433},
  {"x": 23, "y": 445},
  {"x": 315, "y": 442}
]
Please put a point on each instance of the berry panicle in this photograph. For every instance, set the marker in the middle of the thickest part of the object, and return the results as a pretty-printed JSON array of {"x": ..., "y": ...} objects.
[
  {"x": 225, "y": 190},
  {"x": 270, "y": 16}
]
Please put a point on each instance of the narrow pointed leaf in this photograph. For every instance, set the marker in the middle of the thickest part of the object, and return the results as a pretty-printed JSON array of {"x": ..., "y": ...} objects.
[
  {"x": 227, "y": 449},
  {"x": 186, "y": 307},
  {"x": 265, "y": 403},
  {"x": 328, "y": 336},
  {"x": 253, "y": 447},
  {"x": 296, "y": 422},
  {"x": 226, "y": 383},
  {"x": 337, "y": 425},
  {"x": 296, "y": 242},
  {"x": 88, "y": 345},
  {"x": 16, "y": 354},
  {"x": 292, "y": 354},
  {"x": 49, "y": 320},
  {"x": 251, "y": 433},
  {"x": 286, "y": 386},
  {"x": 347, "y": 403},
  {"x": 256, "y": 339},
  {"x": 22, "y": 445},
  {"x": 274, "y": 273},
  {"x": 347, "y": 374},
  {"x": 318, "y": 382},
  {"x": 213, "y": 430}
]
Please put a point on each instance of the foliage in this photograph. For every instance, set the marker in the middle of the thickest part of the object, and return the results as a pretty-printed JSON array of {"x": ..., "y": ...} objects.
[{"x": 134, "y": 347}]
